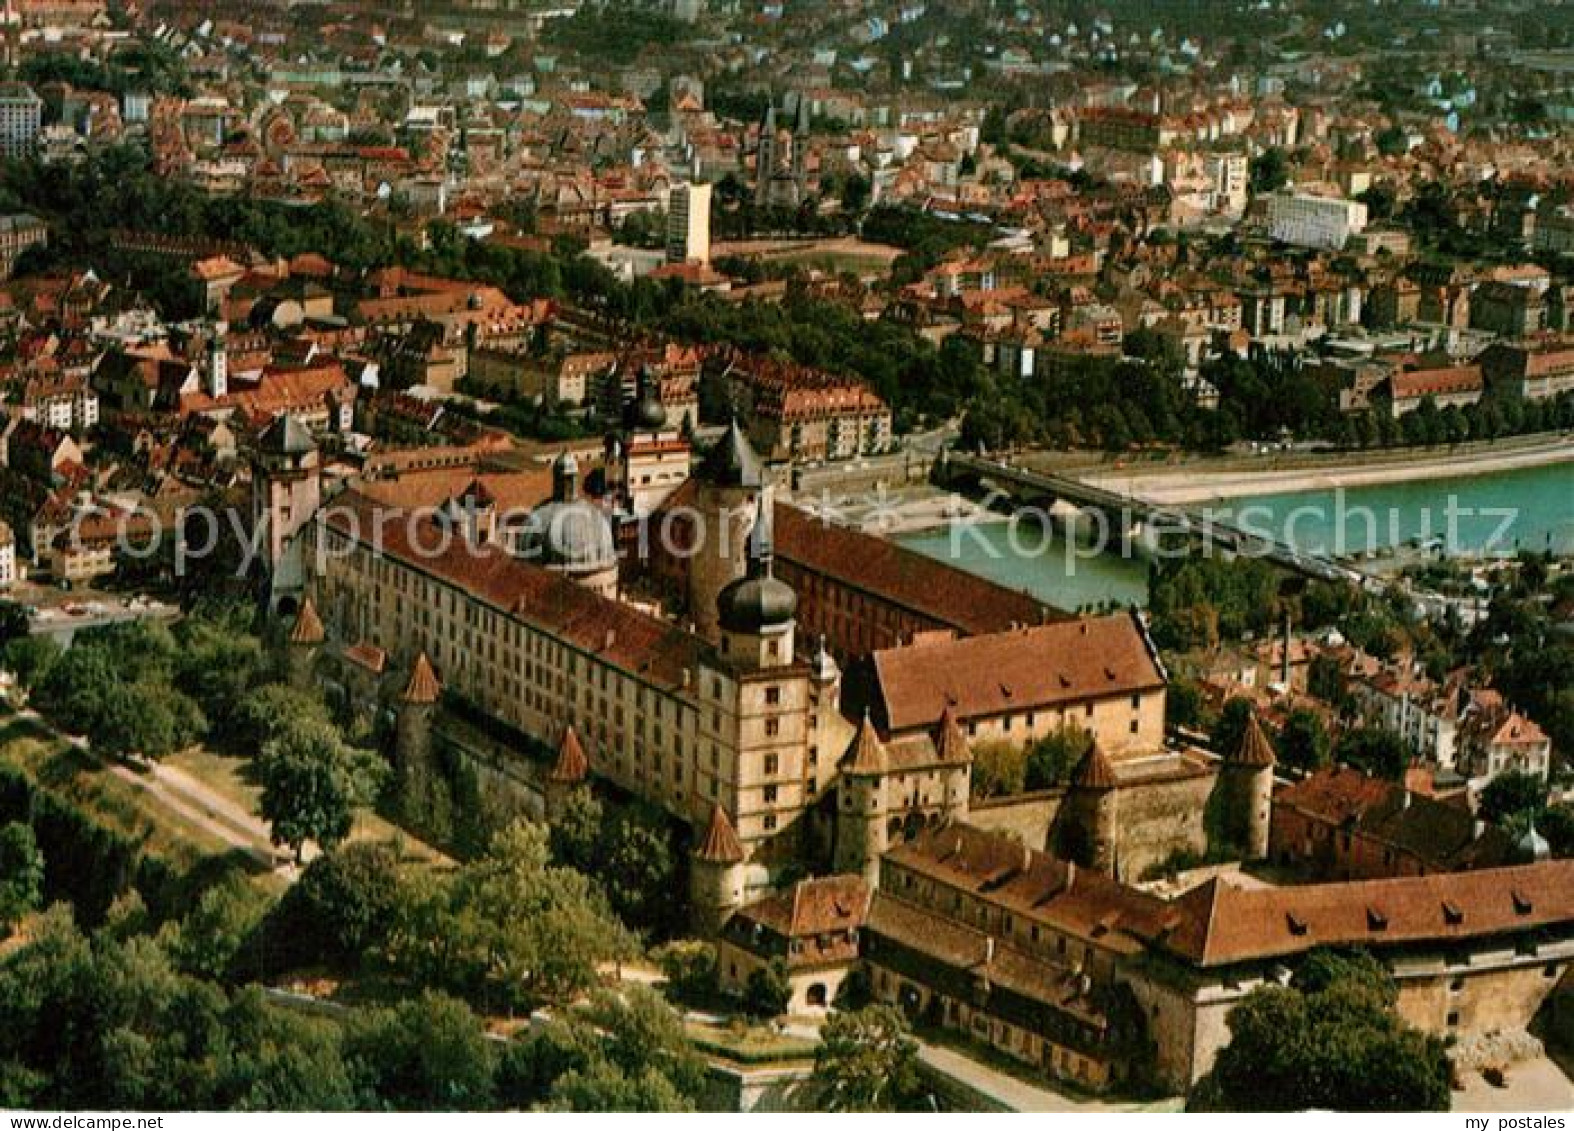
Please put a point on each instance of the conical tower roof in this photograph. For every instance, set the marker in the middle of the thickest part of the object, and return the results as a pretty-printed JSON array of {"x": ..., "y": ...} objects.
[
  {"x": 1095, "y": 771},
  {"x": 286, "y": 436},
  {"x": 866, "y": 754},
  {"x": 1255, "y": 750},
  {"x": 572, "y": 764},
  {"x": 721, "y": 844},
  {"x": 951, "y": 743},
  {"x": 423, "y": 688},
  {"x": 733, "y": 461},
  {"x": 308, "y": 625}
]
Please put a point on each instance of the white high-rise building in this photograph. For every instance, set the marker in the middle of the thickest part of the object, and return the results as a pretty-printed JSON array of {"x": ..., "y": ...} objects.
[
  {"x": 1325, "y": 222},
  {"x": 21, "y": 117},
  {"x": 688, "y": 223},
  {"x": 8, "y": 574}
]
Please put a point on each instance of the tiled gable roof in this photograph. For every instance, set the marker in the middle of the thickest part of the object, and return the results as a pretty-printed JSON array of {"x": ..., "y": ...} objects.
[
  {"x": 1221, "y": 923},
  {"x": 642, "y": 645},
  {"x": 1010, "y": 672}
]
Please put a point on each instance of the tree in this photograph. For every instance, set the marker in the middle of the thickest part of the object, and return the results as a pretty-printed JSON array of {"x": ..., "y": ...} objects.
[
  {"x": 1557, "y": 825},
  {"x": 210, "y": 937},
  {"x": 1269, "y": 171},
  {"x": 509, "y": 925},
  {"x": 21, "y": 874},
  {"x": 1051, "y": 759},
  {"x": 1230, "y": 729},
  {"x": 30, "y": 659},
  {"x": 690, "y": 968},
  {"x": 1183, "y": 706},
  {"x": 144, "y": 720},
  {"x": 999, "y": 769},
  {"x": 1329, "y": 1041},
  {"x": 1303, "y": 743},
  {"x": 1374, "y": 751},
  {"x": 767, "y": 992},
  {"x": 638, "y": 866},
  {"x": 622, "y": 1051},
  {"x": 75, "y": 688},
  {"x": 14, "y": 622},
  {"x": 269, "y": 711},
  {"x": 867, "y": 1062},
  {"x": 1513, "y": 794},
  {"x": 428, "y": 1054},
  {"x": 576, "y": 831},
  {"x": 312, "y": 783},
  {"x": 219, "y": 662},
  {"x": 345, "y": 904}
]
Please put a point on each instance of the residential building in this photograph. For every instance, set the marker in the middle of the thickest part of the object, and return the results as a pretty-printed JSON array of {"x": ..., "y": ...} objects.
[
  {"x": 21, "y": 118},
  {"x": 1454, "y": 385},
  {"x": 8, "y": 567},
  {"x": 1496, "y": 739},
  {"x": 1097, "y": 674},
  {"x": 18, "y": 232},
  {"x": 1533, "y": 369},
  {"x": 688, "y": 223},
  {"x": 1342, "y": 824},
  {"x": 811, "y": 928},
  {"x": 1311, "y": 221}
]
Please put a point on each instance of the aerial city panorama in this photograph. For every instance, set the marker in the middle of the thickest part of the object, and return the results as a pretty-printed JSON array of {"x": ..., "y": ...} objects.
[{"x": 796, "y": 556}]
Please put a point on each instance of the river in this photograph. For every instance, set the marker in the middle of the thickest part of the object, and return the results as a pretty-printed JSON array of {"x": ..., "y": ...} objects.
[{"x": 1530, "y": 508}]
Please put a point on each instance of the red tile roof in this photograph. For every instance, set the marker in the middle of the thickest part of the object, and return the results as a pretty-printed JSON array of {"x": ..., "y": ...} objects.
[
  {"x": 1094, "y": 771},
  {"x": 904, "y": 577},
  {"x": 572, "y": 764},
  {"x": 642, "y": 645},
  {"x": 1255, "y": 749},
  {"x": 1442, "y": 835},
  {"x": 1036, "y": 886},
  {"x": 308, "y": 625},
  {"x": 1221, "y": 923},
  {"x": 1010, "y": 672},
  {"x": 866, "y": 754},
  {"x": 721, "y": 844},
  {"x": 423, "y": 688}
]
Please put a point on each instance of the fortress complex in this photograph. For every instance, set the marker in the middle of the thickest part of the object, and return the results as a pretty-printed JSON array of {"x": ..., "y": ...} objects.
[{"x": 801, "y": 696}]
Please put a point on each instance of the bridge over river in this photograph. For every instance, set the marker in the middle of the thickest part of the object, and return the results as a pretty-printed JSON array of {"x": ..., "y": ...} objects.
[{"x": 1129, "y": 514}]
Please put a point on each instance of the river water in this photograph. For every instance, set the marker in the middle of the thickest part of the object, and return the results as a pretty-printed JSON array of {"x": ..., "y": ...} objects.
[{"x": 1530, "y": 508}]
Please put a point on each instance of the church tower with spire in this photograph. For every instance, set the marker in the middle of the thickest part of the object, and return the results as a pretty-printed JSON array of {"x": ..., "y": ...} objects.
[{"x": 730, "y": 487}]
